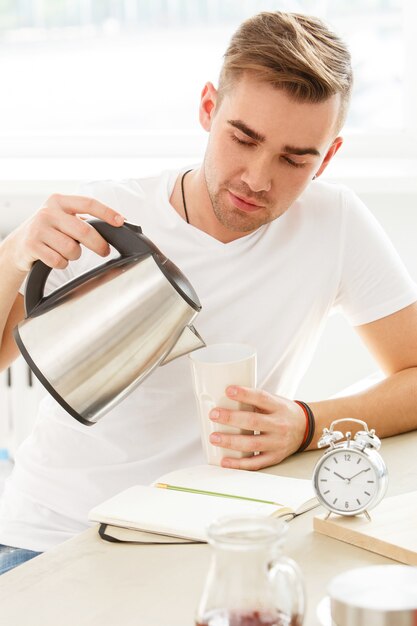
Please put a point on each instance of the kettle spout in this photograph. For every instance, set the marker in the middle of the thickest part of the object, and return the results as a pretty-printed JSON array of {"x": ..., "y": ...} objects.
[{"x": 188, "y": 341}]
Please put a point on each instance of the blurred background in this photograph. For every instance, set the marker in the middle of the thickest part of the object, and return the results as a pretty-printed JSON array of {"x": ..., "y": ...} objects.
[
  {"x": 123, "y": 66},
  {"x": 96, "y": 89}
]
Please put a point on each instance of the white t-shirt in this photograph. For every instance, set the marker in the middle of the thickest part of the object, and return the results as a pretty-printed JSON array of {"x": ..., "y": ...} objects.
[{"x": 273, "y": 289}]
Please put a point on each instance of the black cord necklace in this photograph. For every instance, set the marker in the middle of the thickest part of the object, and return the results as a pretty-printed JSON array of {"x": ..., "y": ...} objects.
[{"x": 183, "y": 195}]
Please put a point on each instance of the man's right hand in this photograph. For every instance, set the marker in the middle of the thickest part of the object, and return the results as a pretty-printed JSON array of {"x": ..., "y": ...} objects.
[{"x": 54, "y": 233}]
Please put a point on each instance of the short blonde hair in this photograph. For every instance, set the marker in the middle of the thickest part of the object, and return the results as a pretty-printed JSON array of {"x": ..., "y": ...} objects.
[{"x": 290, "y": 51}]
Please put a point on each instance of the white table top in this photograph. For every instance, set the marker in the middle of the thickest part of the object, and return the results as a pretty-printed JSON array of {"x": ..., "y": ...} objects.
[{"x": 86, "y": 581}]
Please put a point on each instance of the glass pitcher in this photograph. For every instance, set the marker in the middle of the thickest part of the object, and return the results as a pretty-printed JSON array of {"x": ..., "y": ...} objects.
[{"x": 249, "y": 582}]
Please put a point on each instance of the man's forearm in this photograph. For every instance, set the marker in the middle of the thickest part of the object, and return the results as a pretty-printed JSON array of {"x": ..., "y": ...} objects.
[
  {"x": 390, "y": 406},
  {"x": 12, "y": 279}
]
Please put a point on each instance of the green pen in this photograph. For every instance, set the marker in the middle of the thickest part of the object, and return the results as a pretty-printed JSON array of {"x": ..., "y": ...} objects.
[{"x": 213, "y": 493}]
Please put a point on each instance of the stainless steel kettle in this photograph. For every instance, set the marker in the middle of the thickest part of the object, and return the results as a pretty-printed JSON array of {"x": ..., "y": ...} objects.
[{"x": 93, "y": 340}]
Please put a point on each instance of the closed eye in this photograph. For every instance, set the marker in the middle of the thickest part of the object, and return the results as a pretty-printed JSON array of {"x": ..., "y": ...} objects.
[
  {"x": 293, "y": 163},
  {"x": 243, "y": 143},
  {"x": 251, "y": 144}
]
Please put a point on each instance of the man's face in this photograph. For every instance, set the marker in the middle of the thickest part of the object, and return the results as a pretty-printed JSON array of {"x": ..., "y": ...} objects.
[{"x": 263, "y": 150}]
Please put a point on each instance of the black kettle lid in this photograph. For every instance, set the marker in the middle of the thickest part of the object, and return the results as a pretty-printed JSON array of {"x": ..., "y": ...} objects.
[{"x": 179, "y": 282}]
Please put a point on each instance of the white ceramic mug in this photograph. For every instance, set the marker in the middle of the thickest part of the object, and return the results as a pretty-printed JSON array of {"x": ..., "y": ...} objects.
[{"x": 214, "y": 368}]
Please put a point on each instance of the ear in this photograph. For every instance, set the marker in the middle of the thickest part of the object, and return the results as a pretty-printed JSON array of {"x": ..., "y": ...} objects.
[
  {"x": 207, "y": 105},
  {"x": 329, "y": 155}
]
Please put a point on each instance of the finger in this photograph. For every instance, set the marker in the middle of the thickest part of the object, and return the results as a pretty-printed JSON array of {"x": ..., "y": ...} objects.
[
  {"x": 81, "y": 232},
  {"x": 256, "y": 397},
  {"x": 81, "y": 204},
  {"x": 51, "y": 257},
  {"x": 242, "y": 443},
  {"x": 64, "y": 245},
  {"x": 264, "y": 423},
  {"x": 252, "y": 463},
  {"x": 241, "y": 419}
]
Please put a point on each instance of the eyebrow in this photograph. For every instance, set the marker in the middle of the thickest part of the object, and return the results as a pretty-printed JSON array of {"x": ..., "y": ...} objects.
[
  {"x": 300, "y": 151},
  {"x": 253, "y": 134},
  {"x": 248, "y": 131}
]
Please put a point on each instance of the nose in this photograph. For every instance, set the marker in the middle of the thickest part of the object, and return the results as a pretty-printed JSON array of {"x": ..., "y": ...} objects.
[{"x": 257, "y": 174}]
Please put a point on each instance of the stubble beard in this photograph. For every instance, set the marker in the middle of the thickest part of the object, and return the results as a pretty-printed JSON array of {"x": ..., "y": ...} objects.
[
  {"x": 233, "y": 219},
  {"x": 230, "y": 217}
]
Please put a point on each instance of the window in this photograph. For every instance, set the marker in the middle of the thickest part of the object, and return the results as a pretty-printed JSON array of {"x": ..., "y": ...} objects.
[{"x": 123, "y": 77}]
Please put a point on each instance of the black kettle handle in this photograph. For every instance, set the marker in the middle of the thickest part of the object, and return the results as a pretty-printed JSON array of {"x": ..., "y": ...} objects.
[{"x": 127, "y": 239}]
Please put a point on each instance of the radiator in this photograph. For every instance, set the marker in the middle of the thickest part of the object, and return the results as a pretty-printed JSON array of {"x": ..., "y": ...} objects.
[{"x": 20, "y": 393}]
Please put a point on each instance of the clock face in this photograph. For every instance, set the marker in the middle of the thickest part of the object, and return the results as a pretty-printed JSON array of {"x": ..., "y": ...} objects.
[{"x": 346, "y": 481}]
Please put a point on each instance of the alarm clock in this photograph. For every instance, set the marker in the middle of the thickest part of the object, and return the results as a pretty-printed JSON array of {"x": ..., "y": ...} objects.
[{"x": 351, "y": 477}]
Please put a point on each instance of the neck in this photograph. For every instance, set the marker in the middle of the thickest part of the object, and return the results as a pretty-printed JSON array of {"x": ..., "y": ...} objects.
[{"x": 199, "y": 206}]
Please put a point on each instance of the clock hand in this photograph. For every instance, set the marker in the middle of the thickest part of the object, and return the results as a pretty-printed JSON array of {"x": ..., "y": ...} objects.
[
  {"x": 357, "y": 474},
  {"x": 342, "y": 477}
]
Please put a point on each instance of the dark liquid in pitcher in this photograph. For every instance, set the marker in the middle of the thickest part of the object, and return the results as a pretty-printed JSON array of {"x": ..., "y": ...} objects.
[{"x": 248, "y": 618}]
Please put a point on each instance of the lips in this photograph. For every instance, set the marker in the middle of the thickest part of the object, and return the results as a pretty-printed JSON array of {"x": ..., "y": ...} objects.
[{"x": 243, "y": 204}]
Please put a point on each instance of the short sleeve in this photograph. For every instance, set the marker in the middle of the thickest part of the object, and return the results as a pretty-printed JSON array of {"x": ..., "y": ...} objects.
[{"x": 373, "y": 279}]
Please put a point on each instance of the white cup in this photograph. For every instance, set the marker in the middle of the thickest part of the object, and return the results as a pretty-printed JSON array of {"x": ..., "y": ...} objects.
[{"x": 214, "y": 368}]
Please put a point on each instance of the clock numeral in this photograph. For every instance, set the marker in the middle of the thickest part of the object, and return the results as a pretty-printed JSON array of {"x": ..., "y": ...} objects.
[
  {"x": 370, "y": 481},
  {"x": 346, "y": 505},
  {"x": 347, "y": 457},
  {"x": 334, "y": 501},
  {"x": 358, "y": 461},
  {"x": 327, "y": 468},
  {"x": 367, "y": 493},
  {"x": 324, "y": 480},
  {"x": 358, "y": 501},
  {"x": 328, "y": 491},
  {"x": 335, "y": 460}
]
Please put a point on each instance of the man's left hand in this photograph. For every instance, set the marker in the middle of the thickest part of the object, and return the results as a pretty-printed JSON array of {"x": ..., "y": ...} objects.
[{"x": 280, "y": 422}]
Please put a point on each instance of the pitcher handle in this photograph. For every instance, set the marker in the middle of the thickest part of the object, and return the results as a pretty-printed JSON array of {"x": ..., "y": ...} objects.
[
  {"x": 288, "y": 586},
  {"x": 127, "y": 239}
]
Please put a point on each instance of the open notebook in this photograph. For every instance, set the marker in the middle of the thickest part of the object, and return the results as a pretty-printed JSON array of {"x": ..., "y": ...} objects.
[{"x": 184, "y": 502}]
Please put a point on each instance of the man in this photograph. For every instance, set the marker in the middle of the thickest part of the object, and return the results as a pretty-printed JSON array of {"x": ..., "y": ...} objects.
[{"x": 269, "y": 252}]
